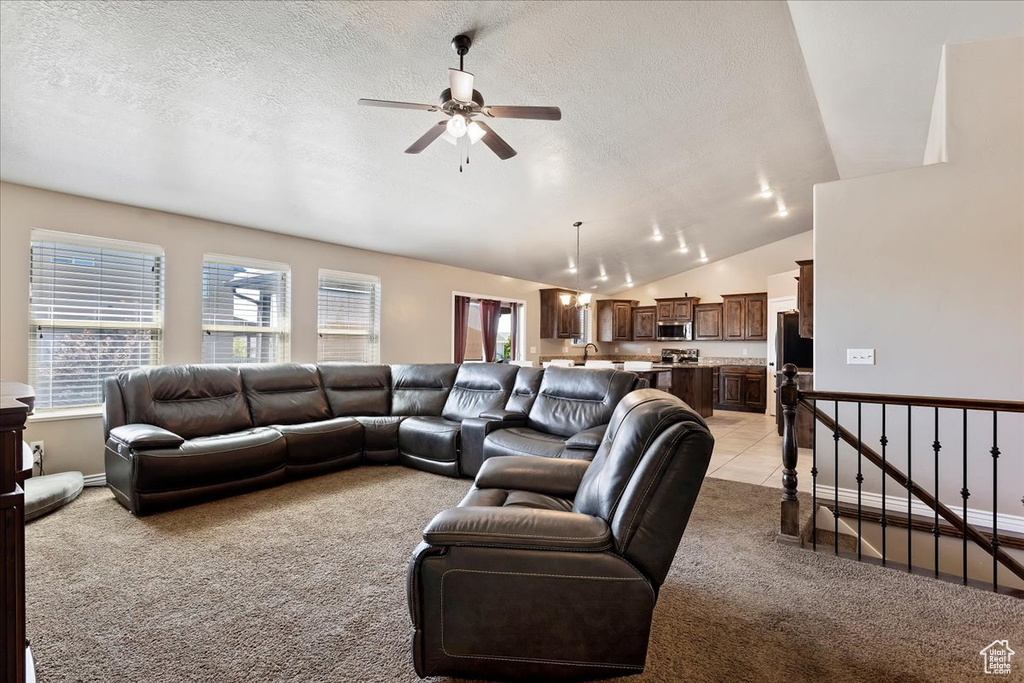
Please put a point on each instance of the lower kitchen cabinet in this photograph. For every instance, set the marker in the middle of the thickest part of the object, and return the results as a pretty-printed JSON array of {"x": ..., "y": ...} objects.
[{"x": 742, "y": 387}]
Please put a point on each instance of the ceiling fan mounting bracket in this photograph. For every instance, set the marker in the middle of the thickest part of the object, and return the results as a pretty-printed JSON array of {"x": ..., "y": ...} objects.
[{"x": 461, "y": 43}]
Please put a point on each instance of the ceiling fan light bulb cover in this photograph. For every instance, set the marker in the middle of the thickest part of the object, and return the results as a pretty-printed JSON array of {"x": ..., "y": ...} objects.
[
  {"x": 456, "y": 126},
  {"x": 475, "y": 132},
  {"x": 447, "y": 137}
]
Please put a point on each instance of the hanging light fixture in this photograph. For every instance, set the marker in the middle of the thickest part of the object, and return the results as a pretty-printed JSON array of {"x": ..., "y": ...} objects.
[{"x": 579, "y": 299}]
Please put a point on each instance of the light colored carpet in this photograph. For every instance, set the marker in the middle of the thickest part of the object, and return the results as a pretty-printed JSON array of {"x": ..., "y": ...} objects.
[{"x": 306, "y": 582}]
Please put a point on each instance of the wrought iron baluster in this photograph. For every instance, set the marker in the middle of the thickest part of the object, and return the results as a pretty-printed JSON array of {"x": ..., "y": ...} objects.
[
  {"x": 860, "y": 480},
  {"x": 936, "y": 446},
  {"x": 965, "y": 494},
  {"x": 885, "y": 521},
  {"x": 814, "y": 475},
  {"x": 910, "y": 487},
  {"x": 835, "y": 479},
  {"x": 995, "y": 500}
]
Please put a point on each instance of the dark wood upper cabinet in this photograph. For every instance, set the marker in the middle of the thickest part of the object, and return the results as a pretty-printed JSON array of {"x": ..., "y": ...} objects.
[
  {"x": 805, "y": 299},
  {"x": 556, "y": 320},
  {"x": 643, "y": 323},
  {"x": 707, "y": 322},
  {"x": 615, "y": 320},
  {"x": 745, "y": 317},
  {"x": 676, "y": 310}
]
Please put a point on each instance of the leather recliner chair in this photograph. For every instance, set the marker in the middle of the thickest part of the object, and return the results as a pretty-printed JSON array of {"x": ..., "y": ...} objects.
[
  {"x": 566, "y": 418},
  {"x": 550, "y": 568}
]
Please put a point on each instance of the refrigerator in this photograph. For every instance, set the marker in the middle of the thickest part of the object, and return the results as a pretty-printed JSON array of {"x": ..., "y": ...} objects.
[{"x": 790, "y": 346}]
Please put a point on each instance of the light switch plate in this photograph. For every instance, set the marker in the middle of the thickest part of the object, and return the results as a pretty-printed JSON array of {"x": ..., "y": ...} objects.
[
  {"x": 860, "y": 356},
  {"x": 533, "y": 349}
]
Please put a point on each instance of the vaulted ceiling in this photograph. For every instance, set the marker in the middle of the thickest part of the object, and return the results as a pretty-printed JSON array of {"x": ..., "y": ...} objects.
[{"x": 674, "y": 115}]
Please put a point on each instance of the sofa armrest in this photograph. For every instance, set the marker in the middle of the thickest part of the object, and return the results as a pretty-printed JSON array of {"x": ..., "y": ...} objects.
[
  {"x": 589, "y": 439},
  {"x": 550, "y": 476},
  {"x": 512, "y": 527},
  {"x": 504, "y": 415},
  {"x": 141, "y": 436},
  {"x": 473, "y": 432}
]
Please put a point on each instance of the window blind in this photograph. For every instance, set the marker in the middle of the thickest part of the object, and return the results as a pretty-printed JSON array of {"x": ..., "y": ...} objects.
[
  {"x": 95, "y": 309},
  {"x": 245, "y": 311},
  {"x": 348, "y": 317},
  {"x": 584, "y": 337}
]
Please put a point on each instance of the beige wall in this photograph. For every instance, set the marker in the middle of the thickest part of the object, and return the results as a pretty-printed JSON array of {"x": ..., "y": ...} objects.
[
  {"x": 926, "y": 266},
  {"x": 416, "y": 311}
]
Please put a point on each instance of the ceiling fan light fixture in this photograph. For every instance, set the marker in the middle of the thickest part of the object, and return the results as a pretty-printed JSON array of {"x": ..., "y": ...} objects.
[
  {"x": 475, "y": 131},
  {"x": 456, "y": 126},
  {"x": 447, "y": 137}
]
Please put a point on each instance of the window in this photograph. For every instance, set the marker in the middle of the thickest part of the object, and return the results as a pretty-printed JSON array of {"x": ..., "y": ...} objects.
[
  {"x": 584, "y": 338},
  {"x": 96, "y": 308},
  {"x": 245, "y": 311},
  {"x": 508, "y": 342},
  {"x": 348, "y": 317}
]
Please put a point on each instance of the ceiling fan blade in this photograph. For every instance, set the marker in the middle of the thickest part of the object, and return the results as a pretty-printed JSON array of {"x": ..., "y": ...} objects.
[
  {"x": 495, "y": 143},
  {"x": 541, "y": 113},
  {"x": 428, "y": 137},
  {"x": 398, "y": 105},
  {"x": 462, "y": 85}
]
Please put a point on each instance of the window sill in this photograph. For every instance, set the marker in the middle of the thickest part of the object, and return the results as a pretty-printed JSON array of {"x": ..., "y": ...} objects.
[{"x": 66, "y": 414}]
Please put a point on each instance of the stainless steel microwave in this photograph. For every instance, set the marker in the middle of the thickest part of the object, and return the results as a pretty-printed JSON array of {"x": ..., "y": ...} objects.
[{"x": 675, "y": 331}]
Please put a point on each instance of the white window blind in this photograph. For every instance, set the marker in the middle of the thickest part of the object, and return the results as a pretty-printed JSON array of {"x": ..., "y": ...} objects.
[
  {"x": 348, "y": 317},
  {"x": 245, "y": 310},
  {"x": 95, "y": 309}
]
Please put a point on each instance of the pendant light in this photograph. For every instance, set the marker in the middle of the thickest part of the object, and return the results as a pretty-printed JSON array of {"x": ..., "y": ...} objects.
[{"x": 579, "y": 299}]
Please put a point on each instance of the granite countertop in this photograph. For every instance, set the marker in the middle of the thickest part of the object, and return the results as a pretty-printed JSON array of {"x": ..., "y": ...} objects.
[{"x": 707, "y": 361}]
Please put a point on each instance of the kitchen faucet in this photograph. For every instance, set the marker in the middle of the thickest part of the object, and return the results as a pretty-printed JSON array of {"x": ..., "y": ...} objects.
[{"x": 586, "y": 350}]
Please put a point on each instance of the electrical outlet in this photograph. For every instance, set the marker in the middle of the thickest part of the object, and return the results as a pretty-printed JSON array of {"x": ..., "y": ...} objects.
[
  {"x": 616, "y": 349},
  {"x": 744, "y": 351},
  {"x": 38, "y": 451},
  {"x": 648, "y": 349},
  {"x": 533, "y": 349},
  {"x": 565, "y": 349},
  {"x": 860, "y": 356}
]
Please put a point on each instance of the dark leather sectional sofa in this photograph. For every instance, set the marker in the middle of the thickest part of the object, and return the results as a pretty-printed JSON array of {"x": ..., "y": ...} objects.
[{"x": 181, "y": 434}]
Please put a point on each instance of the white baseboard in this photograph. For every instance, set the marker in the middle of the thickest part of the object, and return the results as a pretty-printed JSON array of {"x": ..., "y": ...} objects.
[
  {"x": 96, "y": 479},
  {"x": 873, "y": 501}
]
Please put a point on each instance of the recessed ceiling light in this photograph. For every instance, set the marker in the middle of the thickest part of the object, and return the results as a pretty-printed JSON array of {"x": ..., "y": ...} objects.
[
  {"x": 783, "y": 211},
  {"x": 603, "y": 278},
  {"x": 703, "y": 259},
  {"x": 593, "y": 286},
  {"x": 766, "y": 192},
  {"x": 629, "y": 284},
  {"x": 684, "y": 249},
  {"x": 572, "y": 270}
]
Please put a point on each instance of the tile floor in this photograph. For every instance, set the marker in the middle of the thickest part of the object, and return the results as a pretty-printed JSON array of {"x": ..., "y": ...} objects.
[{"x": 749, "y": 449}]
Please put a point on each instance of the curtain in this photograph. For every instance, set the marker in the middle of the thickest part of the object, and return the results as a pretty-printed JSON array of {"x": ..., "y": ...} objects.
[
  {"x": 513, "y": 353},
  {"x": 461, "y": 327},
  {"x": 490, "y": 312}
]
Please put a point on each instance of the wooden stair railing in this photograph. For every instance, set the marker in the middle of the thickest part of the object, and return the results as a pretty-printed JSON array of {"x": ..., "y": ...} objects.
[{"x": 791, "y": 397}]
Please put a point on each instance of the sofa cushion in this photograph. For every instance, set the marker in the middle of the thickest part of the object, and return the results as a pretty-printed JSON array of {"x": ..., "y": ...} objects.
[
  {"x": 523, "y": 441},
  {"x": 357, "y": 390},
  {"x": 432, "y": 438},
  {"x": 479, "y": 387},
  {"x": 210, "y": 460},
  {"x": 189, "y": 400},
  {"x": 512, "y": 498},
  {"x": 525, "y": 389},
  {"x": 574, "y": 399},
  {"x": 284, "y": 393},
  {"x": 314, "y": 442},
  {"x": 421, "y": 389},
  {"x": 380, "y": 438}
]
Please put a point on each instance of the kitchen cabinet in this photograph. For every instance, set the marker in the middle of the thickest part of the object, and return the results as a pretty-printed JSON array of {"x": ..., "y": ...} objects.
[
  {"x": 745, "y": 317},
  {"x": 805, "y": 298},
  {"x": 707, "y": 322},
  {"x": 615, "y": 320},
  {"x": 643, "y": 323},
  {"x": 694, "y": 386},
  {"x": 676, "y": 310},
  {"x": 742, "y": 387},
  {"x": 558, "y": 321}
]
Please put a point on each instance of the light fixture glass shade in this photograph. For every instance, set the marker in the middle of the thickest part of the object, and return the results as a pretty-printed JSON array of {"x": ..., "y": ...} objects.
[
  {"x": 456, "y": 126},
  {"x": 584, "y": 298},
  {"x": 475, "y": 132},
  {"x": 566, "y": 299},
  {"x": 461, "y": 83},
  {"x": 447, "y": 137}
]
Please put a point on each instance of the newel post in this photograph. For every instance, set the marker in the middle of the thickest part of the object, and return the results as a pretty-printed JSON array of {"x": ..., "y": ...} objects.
[{"x": 788, "y": 396}]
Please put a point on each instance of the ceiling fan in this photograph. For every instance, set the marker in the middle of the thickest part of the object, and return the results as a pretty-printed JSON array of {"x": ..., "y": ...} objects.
[{"x": 462, "y": 104}]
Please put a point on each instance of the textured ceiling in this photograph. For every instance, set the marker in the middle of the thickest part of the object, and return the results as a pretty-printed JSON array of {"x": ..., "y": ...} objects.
[
  {"x": 874, "y": 67},
  {"x": 673, "y": 113}
]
